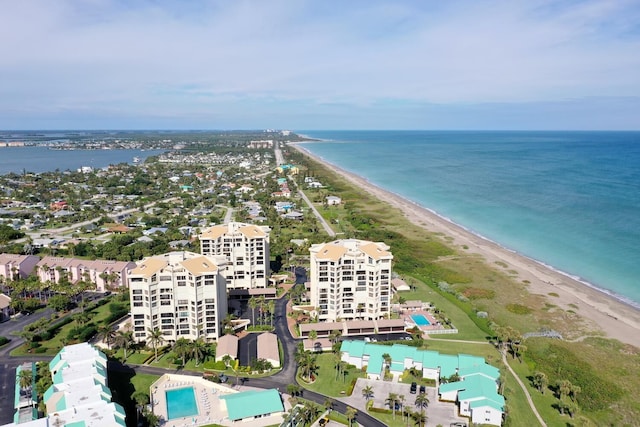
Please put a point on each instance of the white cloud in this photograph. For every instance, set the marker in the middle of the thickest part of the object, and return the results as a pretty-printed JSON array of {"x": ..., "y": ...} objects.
[{"x": 167, "y": 58}]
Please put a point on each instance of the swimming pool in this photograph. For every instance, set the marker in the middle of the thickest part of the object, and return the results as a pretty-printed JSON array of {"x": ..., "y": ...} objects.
[
  {"x": 420, "y": 320},
  {"x": 181, "y": 403}
]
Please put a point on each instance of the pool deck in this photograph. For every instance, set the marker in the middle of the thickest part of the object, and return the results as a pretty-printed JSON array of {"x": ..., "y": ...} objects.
[
  {"x": 408, "y": 320},
  {"x": 210, "y": 408}
]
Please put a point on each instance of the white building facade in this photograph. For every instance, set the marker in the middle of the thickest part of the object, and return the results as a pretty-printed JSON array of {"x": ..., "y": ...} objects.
[
  {"x": 246, "y": 249},
  {"x": 181, "y": 293},
  {"x": 350, "y": 280}
]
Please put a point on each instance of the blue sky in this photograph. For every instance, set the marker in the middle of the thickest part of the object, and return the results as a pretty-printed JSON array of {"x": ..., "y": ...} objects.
[{"x": 295, "y": 64}]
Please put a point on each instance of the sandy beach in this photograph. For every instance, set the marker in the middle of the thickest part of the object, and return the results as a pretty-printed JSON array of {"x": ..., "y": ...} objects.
[{"x": 615, "y": 318}]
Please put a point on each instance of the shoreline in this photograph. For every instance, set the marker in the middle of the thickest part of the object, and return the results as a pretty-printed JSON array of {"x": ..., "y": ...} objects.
[{"x": 616, "y": 317}]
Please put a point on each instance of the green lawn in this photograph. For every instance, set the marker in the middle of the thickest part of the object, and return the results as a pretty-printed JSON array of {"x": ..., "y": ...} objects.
[{"x": 326, "y": 382}]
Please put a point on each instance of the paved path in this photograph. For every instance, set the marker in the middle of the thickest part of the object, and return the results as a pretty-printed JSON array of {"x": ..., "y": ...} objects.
[
  {"x": 524, "y": 389},
  {"x": 322, "y": 221}
]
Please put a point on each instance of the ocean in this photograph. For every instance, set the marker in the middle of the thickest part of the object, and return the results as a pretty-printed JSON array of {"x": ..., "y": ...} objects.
[
  {"x": 570, "y": 200},
  {"x": 41, "y": 159}
]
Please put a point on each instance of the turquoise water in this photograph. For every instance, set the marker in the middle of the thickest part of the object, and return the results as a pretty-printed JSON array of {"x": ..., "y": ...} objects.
[
  {"x": 420, "y": 320},
  {"x": 181, "y": 403},
  {"x": 570, "y": 200}
]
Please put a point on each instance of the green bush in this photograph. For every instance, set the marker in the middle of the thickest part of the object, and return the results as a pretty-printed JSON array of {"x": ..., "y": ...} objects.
[
  {"x": 351, "y": 386},
  {"x": 3, "y": 340},
  {"x": 86, "y": 333},
  {"x": 380, "y": 410},
  {"x": 40, "y": 350}
]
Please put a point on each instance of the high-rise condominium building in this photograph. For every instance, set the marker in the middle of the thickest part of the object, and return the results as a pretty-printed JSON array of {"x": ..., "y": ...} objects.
[
  {"x": 351, "y": 279},
  {"x": 246, "y": 249},
  {"x": 181, "y": 293}
]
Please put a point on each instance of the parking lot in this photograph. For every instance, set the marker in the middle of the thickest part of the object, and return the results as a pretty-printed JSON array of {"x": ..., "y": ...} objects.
[{"x": 437, "y": 412}]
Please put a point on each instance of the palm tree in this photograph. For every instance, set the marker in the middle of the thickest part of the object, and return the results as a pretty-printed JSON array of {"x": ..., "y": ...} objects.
[
  {"x": 391, "y": 401},
  {"x": 540, "y": 381},
  {"x": 124, "y": 340},
  {"x": 82, "y": 318},
  {"x": 422, "y": 401},
  {"x": 401, "y": 400},
  {"x": 420, "y": 418},
  {"x": 182, "y": 348},
  {"x": 271, "y": 306},
  {"x": 25, "y": 379},
  {"x": 367, "y": 393},
  {"x": 253, "y": 303},
  {"x": 307, "y": 365},
  {"x": 198, "y": 350},
  {"x": 155, "y": 338},
  {"x": 350, "y": 413}
]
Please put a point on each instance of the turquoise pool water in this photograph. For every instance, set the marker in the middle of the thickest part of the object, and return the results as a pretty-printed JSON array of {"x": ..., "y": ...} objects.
[
  {"x": 420, "y": 320},
  {"x": 181, "y": 403}
]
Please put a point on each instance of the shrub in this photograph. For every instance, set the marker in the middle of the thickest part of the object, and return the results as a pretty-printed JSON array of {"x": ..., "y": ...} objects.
[
  {"x": 518, "y": 309},
  {"x": 86, "y": 333},
  {"x": 352, "y": 384},
  {"x": 3, "y": 341},
  {"x": 380, "y": 410}
]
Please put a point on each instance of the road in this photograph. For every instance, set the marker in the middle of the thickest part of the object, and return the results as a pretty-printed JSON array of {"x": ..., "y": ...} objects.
[
  {"x": 325, "y": 224},
  {"x": 279, "y": 381},
  {"x": 75, "y": 226}
]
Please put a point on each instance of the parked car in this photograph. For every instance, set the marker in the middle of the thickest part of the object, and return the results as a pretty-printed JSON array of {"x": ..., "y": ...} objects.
[
  {"x": 414, "y": 388},
  {"x": 423, "y": 389},
  {"x": 223, "y": 378}
]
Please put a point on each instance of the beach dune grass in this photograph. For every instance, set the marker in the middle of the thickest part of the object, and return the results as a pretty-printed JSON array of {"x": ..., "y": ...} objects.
[{"x": 442, "y": 260}]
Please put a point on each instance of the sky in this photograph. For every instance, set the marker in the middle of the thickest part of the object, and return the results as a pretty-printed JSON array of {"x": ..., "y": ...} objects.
[{"x": 325, "y": 64}]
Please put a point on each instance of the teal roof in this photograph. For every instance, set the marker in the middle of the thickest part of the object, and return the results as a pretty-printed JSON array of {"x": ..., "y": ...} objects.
[
  {"x": 430, "y": 359},
  {"x": 62, "y": 403},
  {"x": 448, "y": 365},
  {"x": 468, "y": 361},
  {"x": 55, "y": 360},
  {"x": 76, "y": 424},
  {"x": 454, "y": 386},
  {"x": 249, "y": 404},
  {"x": 484, "y": 369},
  {"x": 58, "y": 377},
  {"x": 462, "y": 364},
  {"x": 486, "y": 402},
  {"x": 479, "y": 387}
]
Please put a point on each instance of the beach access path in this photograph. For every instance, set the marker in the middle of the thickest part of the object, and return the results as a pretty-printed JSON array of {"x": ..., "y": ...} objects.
[{"x": 615, "y": 318}]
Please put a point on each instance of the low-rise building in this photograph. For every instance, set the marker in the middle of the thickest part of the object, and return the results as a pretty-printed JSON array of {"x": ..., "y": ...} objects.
[
  {"x": 14, "y": 266},
  {"x": 104, "y": 274}
]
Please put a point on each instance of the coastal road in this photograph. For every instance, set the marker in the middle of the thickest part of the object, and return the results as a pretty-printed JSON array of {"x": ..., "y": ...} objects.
[{"x": 325, "y": 224}]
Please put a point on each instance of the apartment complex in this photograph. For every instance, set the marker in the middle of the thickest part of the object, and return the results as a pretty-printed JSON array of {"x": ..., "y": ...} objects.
[
  {"x": 351, "y": 279},
  {"x": 105, "y": 274},
  {"x": 14, "y": 266},
  {"x": 246, "y": 249},
  {"x": 181, "y": 293},
  {"x": 79, "y": 396}
]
